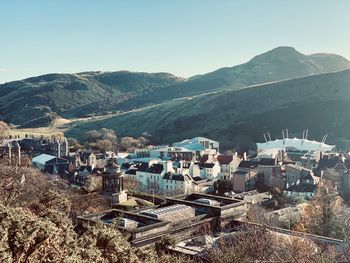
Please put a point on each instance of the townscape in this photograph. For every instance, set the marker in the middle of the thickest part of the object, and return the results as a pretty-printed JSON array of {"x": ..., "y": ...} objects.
[
  {"x": 187, "y": 131},
  {"x": 193, "y": 193}
]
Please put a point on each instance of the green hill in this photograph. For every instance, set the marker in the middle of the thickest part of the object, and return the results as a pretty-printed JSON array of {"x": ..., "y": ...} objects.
[
  {"x": 28, "y": 101},
  {"x": 38, "y": 101},
  {"x": 238, "y": 118},
  {"x": 275, "y": 65}
]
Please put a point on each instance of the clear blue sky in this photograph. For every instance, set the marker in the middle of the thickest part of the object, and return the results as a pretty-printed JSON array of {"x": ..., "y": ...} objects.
[{"x": 184, "y": 37}]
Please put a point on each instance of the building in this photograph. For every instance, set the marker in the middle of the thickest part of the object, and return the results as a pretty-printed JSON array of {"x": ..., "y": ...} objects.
[
  {"x": 210, "y": 171},
  {"x": 295, "y": 143},
  {"x": 166, "y": 177},
  {"x": 200, "y": 145},
  {"x": 113, "y": 183},
  {"x": 173, "y": 154},
  {"x": 50, "y": 164},
  {"x": 244, "y": 180},
  {"x": 228, "y": 165},
  {"x": 301, "y": 191},
  {"x": 183, "y": 217},
  {"x": 176, "y": 183},
  {"x": 272, "y": 175}
]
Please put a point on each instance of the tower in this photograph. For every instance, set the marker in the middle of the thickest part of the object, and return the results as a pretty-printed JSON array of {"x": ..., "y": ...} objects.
[
  {"x": 58, "y": 149},
  {"x": 64, "y": 147},
  {"x": 112, "y": 182}
]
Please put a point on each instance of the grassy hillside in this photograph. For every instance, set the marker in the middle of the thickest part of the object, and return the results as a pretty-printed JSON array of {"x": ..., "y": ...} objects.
[
  {"x": 275, "y": 65},
  {"x": 238, "y": 118},
  {"x": 38, "y": 101}
]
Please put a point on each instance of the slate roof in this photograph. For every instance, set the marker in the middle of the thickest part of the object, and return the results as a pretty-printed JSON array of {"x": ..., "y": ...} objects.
[
  {"x": 246, "y": 164},
  {"x": 88, "y": 168},
  {"x": 241, "y": 172},
  {"x": 208, "y": 165},
  {"x": 328, "y": 163},
  {"x": 139, "y": 166},
  {"x": 267, "y": 161},
  {"x": 155, "y": 168},
  {"x": 197, "y": 178},
  {"x": 176, "y": 177},
  {"x": 131, "y": 171},
  {"x": 302, "y": 188}
]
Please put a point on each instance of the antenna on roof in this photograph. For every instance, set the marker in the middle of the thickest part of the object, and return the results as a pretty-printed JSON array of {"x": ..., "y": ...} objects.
[
  {"x": 303, "y": 134},
  {"x": 269, "y": 136},
  {"x": 306, "y": 133},
  {"x": 265, "y": 137},
  {"x": 324, "y": 138},
  {"x": 287, "y": 133},
  {"x": 283, "y": 134}
]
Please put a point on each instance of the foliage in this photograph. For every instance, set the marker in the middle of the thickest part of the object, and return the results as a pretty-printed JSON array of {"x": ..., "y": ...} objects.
[
  {"x": 107, "y": 139},
  {"x": 162, "y": 245},
  {"x": 256, "y": 244},
  {"x": 322, "y": 215},
  {"x": 222, "y": 186}
]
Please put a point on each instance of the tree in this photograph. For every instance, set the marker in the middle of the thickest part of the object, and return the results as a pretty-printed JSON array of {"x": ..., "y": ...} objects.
[
  {"x": 4, "y": 130},
  {"x": 257, "y": 244},
  {"x": 12, "y": 181},
  {"x": 131, "y": 184},
  {"x": 321, "y": 215},
  {"x": 51, "y": 238},
  {"x": 222, "y": 186}
]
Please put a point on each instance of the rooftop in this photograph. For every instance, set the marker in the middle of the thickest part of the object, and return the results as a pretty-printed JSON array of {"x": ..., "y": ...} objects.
[
  {"x": 43, "y": 158},
  {"x": 155, "y": 168},
  {"x": 299, "y": 144}
]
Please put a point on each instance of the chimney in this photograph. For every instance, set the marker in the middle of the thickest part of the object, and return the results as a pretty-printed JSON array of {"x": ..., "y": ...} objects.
[
  {"x": 210, "y": 158},
  {"x": 168, "y": 166},
  {"x": 58, "y": 145},
  {"x": 245, "y": 156}
]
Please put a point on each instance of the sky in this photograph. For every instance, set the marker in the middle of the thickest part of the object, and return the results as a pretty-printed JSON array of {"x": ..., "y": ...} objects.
[{"x": 183, "y": 37}]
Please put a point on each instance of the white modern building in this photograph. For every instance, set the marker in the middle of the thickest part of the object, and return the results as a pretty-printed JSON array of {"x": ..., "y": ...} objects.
[
  {"x": 200, "y": 145},
  {"x": 296, "y": 143}
]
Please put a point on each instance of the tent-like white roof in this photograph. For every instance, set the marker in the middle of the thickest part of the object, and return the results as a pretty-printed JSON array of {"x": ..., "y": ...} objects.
[
  {"x": 43, "y": 158},
  {"x": 299, "y": 144}
]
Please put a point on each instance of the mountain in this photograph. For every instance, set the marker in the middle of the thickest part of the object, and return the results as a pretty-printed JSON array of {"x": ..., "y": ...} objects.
[
  {"x": 238, "y": 118},
  {"x": 38, "y": 101},
  {"x": 278, "y": 64}
]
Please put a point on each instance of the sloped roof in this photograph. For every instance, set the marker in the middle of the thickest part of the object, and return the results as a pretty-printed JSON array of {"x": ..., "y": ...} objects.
[
  {"x": 302, "y": 188},
  {"x": 177, "y": 177},
  {"x": 155, "y": 168},
  {"x": 225, "y": 159},
  {"x": 207, "y": 165}
]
